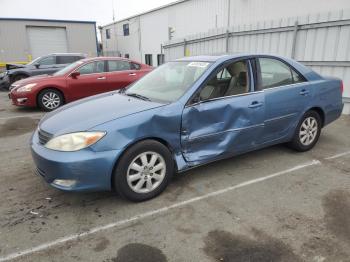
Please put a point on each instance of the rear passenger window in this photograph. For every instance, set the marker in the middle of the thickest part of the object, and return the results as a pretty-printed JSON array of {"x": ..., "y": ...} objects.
[
  {"x": 275, "y": 73},
  {"x": 118, "y": 66}
]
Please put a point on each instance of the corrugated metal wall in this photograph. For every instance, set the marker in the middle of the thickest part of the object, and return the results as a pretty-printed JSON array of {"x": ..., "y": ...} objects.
[{"x": 321, "y": 41}]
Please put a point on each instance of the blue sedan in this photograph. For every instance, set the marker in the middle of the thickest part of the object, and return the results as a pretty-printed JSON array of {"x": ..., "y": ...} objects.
[{"x": 185, "y": 113}]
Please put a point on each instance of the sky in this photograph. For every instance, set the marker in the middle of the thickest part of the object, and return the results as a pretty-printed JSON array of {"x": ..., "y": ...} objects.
[{"x": 100, "y": 11}]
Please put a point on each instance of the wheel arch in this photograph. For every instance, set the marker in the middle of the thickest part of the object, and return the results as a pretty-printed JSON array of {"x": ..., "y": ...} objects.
[
  {"x": 158, "y": 139},
  {"x": 321, "y": 113}
]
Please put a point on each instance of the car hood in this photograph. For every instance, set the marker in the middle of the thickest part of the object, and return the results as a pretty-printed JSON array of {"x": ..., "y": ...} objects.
[
  {"x": 34, "y": 79},
  {"x": 87, "y": 113}
]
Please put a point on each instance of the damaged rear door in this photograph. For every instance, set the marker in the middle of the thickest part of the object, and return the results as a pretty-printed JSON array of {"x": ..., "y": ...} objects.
[{"x": 222, "y": 126}]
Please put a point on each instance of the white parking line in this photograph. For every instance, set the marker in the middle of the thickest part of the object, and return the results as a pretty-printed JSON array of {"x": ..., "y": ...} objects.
[
  {"x": 338, "y": 155},
  {"x": 30, "y": 115},
  {"x": 151, "y": 213}
]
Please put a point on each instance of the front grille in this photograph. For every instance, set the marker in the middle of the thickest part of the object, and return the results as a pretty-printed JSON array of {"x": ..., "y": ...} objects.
[{"x": 44, "y": 137}]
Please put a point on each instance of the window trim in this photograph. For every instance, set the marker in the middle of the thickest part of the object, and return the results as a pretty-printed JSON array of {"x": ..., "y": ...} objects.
[
  {"x": 215, "y": 72},
  {"x": 258, "y": 72}
]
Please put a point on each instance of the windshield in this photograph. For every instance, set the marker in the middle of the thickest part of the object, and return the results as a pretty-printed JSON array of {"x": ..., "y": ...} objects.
[
  {"x": 68, "y": 68},
  {"x": 168, "y": 82}
]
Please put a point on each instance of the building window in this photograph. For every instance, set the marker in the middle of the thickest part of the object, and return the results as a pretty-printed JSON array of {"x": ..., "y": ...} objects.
[
  {"x": 127, "y": 56},
  {"x": 126, "y": 29},
  {"x": 160, "y": 59},
  {"x": 108, "y": 33},
  {"x": 148, "y": 59}
]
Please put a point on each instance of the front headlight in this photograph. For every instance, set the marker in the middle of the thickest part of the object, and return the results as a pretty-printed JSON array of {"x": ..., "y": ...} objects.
[
  {"x": 74, "y": 141},
  {"x": 26, "y": 88}
]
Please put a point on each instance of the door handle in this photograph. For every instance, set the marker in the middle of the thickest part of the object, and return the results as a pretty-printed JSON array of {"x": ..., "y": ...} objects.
[
  {"x": 304, "y": 92},
  {"x": 101, "y": 78},
  {"x": 132, "y": 74},
  {"x": 255, "y": 104},
  {"x": 184, "y": 131}
]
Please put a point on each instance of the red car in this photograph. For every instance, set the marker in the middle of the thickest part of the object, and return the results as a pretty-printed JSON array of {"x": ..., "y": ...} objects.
[{"x": 83, "y": 78}]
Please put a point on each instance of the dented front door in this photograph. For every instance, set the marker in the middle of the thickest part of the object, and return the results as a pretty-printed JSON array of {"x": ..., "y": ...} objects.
[{"x": 220, "y": 127}]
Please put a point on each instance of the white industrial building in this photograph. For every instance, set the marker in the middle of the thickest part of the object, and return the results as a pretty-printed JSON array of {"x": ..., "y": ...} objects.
[
  {"x": 315, "y": 32},
  {"x": 22, "y": 39}
]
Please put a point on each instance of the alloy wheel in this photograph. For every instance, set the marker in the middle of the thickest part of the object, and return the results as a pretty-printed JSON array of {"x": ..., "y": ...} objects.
[
  {"x": 51, "y": 100},
  {"x": 308, "y": 131},
  {"x": 146, "y": 172}
]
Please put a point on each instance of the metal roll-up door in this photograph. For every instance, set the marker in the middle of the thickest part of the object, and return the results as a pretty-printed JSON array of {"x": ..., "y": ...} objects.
[{"x": 46, "y": 40}]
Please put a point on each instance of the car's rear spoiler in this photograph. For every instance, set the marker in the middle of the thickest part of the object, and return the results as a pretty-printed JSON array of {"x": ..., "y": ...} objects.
[{"x": 13, "y": 66}]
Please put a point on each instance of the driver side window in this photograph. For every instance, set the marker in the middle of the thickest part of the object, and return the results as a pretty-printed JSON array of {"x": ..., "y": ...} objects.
[
  {"x": 92, "y": 68},
  {"x": 231, "y": 80}
]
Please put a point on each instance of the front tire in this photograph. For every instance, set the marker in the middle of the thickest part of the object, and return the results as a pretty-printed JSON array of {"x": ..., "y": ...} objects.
[
  {"x": 50, "y": 99},
  {"x": 307, "y": 132},
  {"x": 144, "y": 171}
]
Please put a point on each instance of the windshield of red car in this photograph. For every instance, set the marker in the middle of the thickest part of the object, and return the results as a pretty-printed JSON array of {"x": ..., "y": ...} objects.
[{"x": 168, "y": 82}]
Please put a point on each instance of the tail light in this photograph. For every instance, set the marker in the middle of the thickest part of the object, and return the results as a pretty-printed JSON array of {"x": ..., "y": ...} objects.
[{"x": 341, "y": 87}]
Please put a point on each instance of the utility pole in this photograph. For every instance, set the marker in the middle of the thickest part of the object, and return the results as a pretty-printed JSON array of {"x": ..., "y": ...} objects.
[
  {"x": 115, "y": 28},
  {"x": 101, "y": 41},
  {"x": 228, "y": 13},
  {"x": 140, "y": 40},
  {"x": 113, "y": 13}
]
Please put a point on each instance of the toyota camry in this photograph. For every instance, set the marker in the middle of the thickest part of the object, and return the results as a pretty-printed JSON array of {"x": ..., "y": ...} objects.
[{"x": 185, "y": 113}]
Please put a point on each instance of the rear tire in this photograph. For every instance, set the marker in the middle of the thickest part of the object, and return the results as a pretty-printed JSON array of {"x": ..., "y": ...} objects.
[
  {"x": 143, "y": 171},
  {"x": 50, "y": 99},
  {"x": 307, "y": 132}
]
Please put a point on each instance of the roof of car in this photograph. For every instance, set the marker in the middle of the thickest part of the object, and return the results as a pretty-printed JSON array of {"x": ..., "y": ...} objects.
[
  {"x": 67, "y": 54},
  {"x": 99, "y": 58},
  {"x": 214, "y": 58}
]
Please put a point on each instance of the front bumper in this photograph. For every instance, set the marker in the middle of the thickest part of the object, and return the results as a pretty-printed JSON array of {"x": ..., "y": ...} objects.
[
  {"x": 22, "y": 99},
  {"x": 5, "y": 82},
  {"x": 90, "y": 170}
]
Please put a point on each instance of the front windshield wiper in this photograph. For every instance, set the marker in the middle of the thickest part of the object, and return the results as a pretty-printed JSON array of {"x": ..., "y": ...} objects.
[{"x": 139, "y": 96}]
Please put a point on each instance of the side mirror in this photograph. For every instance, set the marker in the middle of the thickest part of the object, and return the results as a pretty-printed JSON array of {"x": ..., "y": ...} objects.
[
  {"x": 37, "y": 65},
  {"x": 75, "y": 75}
]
